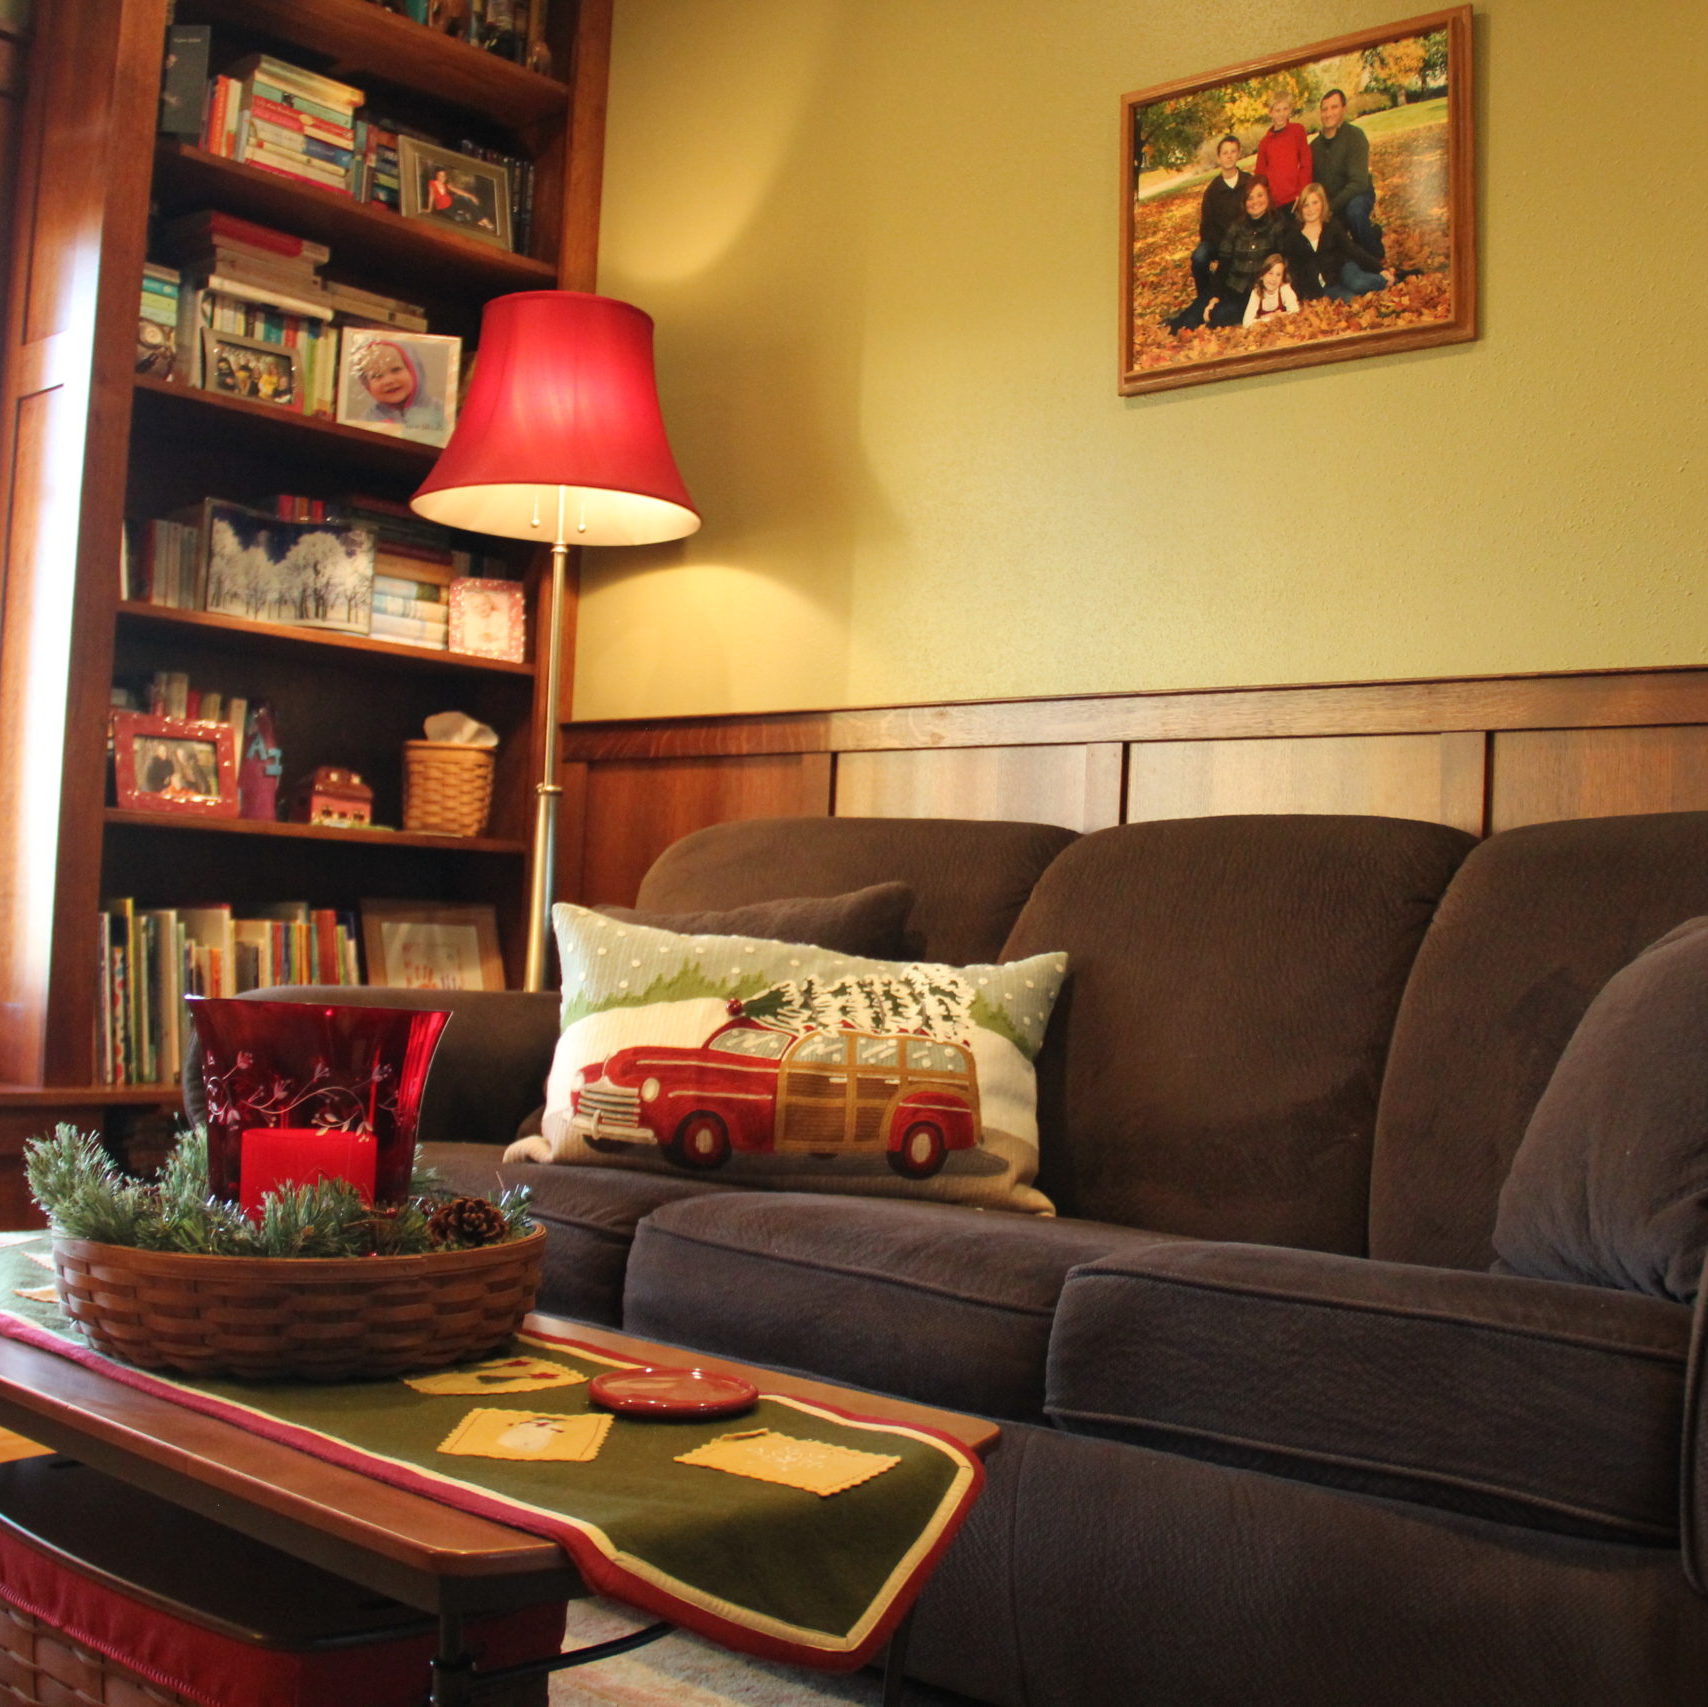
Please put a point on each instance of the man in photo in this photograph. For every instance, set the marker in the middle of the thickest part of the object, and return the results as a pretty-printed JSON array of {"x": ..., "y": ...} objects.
[
  {"x": 1223, "y": 203},
  {"x": 1340, "y": 162}
]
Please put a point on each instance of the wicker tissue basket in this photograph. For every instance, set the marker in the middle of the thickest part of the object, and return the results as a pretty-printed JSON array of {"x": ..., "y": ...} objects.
[
  {"x": 447, "y": 787},
  {"x": 298, "y": 1318}
]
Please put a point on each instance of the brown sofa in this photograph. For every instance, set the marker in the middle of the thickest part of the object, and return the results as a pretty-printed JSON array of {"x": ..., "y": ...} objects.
[{"x": 1280, "y": 1428}]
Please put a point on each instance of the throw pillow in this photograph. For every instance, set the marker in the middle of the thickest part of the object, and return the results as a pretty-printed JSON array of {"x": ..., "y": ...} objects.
[
  {"x": 776, "y": 1064},
  {"x": 864, "y": 921},
  {"x": 1610, "y": 1184},
  {"x": 867, "y": 921}
]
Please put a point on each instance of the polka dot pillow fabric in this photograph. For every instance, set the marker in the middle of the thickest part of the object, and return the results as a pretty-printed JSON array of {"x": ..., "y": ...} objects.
[{"x": 773, "y": 1064}]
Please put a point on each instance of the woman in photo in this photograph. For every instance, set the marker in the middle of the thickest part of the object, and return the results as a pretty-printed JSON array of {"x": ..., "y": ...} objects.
[
  {"x": 1324, "y": 258},
  {"x": 392, "y": 390},
  {"x": 1246, "y": 247}
]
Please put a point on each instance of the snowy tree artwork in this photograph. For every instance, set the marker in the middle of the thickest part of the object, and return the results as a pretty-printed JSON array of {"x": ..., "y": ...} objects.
[
  {"x": 927, "y": 1001},
  {"x": 312, "y": 574}
]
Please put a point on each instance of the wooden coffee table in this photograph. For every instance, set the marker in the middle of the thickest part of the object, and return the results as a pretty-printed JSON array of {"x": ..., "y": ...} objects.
[{"x": 449, "y": 1563}]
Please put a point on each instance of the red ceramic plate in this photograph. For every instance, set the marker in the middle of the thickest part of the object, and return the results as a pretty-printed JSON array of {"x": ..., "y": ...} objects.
[{"x": 654, "y": 1392}]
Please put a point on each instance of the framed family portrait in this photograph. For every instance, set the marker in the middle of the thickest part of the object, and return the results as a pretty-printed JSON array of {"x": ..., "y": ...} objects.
[
  {"x": 1315, "y": 206},
  {"x": 174, "y": 764},
  {"x": 426, "y": 945},
  {"x": 468, "y": 196},
  {"x": 249, "y": 368},
  {"x": 402, "y": 383}
]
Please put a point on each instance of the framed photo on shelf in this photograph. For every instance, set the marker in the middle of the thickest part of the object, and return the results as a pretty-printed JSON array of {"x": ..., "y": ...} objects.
[
  {"x": 1314, "y": 206},
  {"x": 455, "y": 191},
  {"x": 174, "y": 764},
  {"x": 432, "y": 945},
  {"x": 401, "y": 383},
  {"x": 300, "y": 574},
  {"x": 488, "y": 619},
  {"x": 249, "y": 368}
]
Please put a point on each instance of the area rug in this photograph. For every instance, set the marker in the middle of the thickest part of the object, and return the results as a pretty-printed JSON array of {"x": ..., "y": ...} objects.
[{"x": 681, "y": 1670}]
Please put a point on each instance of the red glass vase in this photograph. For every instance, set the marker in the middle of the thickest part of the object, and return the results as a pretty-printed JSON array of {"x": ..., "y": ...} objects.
[{"x": 318, "y": 1068}]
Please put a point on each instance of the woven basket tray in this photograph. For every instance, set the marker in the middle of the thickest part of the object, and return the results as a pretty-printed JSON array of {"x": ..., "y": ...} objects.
[
  {"x": 447, "y": 787},
  {"x": 305, "y": 1319},
  {"x": 43, "y": 1667}
]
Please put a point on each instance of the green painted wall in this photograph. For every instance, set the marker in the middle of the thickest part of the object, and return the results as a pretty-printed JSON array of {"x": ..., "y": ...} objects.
[{"x": 879, "y": 238}]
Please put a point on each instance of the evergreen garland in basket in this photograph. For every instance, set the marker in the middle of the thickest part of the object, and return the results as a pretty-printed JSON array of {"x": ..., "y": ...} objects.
[{"x": 85, "y": 1195}]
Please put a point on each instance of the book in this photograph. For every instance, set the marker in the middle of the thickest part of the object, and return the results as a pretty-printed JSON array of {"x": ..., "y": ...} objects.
[
  {"x": 184, "y": 80},
  {"x": 424, "y": 610},
  {"x": 212, "y": 223},
  {"x": 281, "y": 73},
  {"x": 408, "y": 631}
]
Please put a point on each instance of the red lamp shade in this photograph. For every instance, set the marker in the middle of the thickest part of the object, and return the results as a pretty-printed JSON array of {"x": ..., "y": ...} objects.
[{"x": 562, "y": 405}]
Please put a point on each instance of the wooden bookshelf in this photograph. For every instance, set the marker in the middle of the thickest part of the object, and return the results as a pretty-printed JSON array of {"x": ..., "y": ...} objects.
[{"x": 87, "y": 444}]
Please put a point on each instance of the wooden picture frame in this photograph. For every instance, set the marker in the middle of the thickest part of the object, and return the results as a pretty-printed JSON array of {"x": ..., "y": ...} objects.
[
  {"x": 174, "y": 764},
  {"x": 1202, "y": 297},
  {"x": 454, "y": 191},
  {"x": 432, "y": 945},
  {"x": 248, "y": 368}
]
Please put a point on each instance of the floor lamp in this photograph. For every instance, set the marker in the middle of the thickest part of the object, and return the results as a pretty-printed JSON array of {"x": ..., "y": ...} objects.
[{"x": 560, "y": 438}]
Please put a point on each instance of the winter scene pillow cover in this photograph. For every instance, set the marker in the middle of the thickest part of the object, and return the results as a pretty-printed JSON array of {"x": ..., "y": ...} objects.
[{"x": 774, "y": 1064}]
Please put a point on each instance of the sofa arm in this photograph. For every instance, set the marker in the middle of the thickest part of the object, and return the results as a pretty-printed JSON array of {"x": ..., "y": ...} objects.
[
  {"x": 1693, "y": 1468},
  {"x": 1554, "y": 1406},
  {"x": 488, "y": 1073}
]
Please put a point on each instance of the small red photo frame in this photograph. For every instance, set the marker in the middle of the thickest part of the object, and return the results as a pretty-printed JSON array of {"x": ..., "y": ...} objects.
[{"x": 174, "y": 764}]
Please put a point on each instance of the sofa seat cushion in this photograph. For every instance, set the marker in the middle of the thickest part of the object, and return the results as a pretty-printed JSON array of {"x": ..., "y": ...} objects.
[
  {"x": 934, "y": 1302},
  {"x": 1557, "y": 1407},
  {"x": 1610, "y": 1185},
  {"x": 589, "y": 1215}
]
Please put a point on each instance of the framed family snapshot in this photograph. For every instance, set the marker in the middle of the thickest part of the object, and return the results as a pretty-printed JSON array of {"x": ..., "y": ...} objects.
[
  {"x": 488, "y": 618},
  {"x": 468, "y": 196},
  {"x": 402, "y": 383},
  {"x": 174, "y": 764},
  {"x": 426, "y": 945},
  {"x": 249, "y": 368},
  {"x": 1314, "y": 206}
]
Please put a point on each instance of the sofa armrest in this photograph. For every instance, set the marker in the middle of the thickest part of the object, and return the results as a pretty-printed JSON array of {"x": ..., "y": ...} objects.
[
  {"x": 488, "y": 1072},
  {"x": 1555, "y": 1406},
  {"x": 1693, "y": 1468}
]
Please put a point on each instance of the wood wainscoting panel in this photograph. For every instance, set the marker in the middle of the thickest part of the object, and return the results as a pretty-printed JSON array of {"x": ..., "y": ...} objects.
[
  {"x": 1439, "y": 778},
  {"x": 1075, "y": 786},
  {"x": 631, "y": 811},
  {"x": 1544, "y": 774}
]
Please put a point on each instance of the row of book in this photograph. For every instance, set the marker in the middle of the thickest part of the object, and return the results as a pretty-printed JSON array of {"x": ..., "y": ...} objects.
[
  {"x": 512, "y": 29},
  {"x": 150, "y": 959}
]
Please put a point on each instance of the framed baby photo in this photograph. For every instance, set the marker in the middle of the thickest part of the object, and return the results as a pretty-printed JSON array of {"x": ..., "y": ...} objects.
[
  {"x": 454, "y": 191},
  {"x": 401, "y": 383},
  {"x": 248, "y": 368},
  {"x": 1313, "y": 206},
  {"x": 174, "y": 764}
]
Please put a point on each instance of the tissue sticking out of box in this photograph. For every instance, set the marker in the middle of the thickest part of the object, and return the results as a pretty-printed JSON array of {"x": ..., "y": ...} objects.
[{"x": 458, "y": 726}]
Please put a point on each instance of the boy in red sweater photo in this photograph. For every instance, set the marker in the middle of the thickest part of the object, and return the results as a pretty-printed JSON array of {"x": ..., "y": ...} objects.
[{"x": 1284, "y": 154}]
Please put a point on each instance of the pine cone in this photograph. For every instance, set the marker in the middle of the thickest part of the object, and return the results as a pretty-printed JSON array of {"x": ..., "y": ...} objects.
[{"x": 466, "y": 1221}]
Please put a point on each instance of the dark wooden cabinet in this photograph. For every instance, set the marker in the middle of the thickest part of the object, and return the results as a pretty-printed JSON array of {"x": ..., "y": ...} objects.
[{"x": 86, "y": 444}]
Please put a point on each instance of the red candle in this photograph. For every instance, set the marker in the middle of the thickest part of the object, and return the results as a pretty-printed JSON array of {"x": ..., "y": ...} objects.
[{"x": 277, "y": 1156}]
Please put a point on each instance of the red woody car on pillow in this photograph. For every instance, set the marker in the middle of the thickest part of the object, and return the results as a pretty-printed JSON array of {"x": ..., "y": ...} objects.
[{"x": 911, "y": 1099}]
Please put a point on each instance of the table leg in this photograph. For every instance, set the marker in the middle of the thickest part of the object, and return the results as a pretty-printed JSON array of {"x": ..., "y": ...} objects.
[{"x": 895, "y": 1662}]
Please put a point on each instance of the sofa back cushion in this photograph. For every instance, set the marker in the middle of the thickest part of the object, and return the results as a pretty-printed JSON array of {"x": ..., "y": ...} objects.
[
  {"x": 1213, "y": 1066},
  {"x": 969, "y": 879},
  {"x": 1536, "y": 922},
  {"x": 1610, "y": 1185}
]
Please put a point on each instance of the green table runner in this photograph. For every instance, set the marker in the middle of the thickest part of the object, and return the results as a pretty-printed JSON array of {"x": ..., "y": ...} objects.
[{"x": 774, "y": 1570}]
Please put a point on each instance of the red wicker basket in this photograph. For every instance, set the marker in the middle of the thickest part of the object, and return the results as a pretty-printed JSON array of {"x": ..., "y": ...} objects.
[{"x": 306, "y": 1319}]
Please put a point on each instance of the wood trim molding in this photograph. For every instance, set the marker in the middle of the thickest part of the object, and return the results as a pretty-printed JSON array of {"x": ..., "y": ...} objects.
[{"x": 1591, "y": 699}]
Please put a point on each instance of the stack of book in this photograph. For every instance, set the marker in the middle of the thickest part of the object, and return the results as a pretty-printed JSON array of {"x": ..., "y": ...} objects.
[
  {"x": 374, "y": 173},
  {"x": 268, "y": 113},
  {"x": 251, "y": 282},
  {"x": 151, "y": 959},
  {"x": 157, "y": 322}
]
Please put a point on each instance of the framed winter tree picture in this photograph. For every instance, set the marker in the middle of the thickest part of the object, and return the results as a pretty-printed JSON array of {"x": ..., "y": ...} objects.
[{"x": 1313, "y": 206}]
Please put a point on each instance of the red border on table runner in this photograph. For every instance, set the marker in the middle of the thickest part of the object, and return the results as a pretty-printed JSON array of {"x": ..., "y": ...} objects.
[{"x": 604, "y": 1568}]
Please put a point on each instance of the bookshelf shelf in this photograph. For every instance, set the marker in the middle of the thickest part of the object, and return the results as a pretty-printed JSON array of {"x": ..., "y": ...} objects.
[
  {"x": 272, "y": 637},
  {"x": 387, "y": 246},
  {"x": 94, "y": 447},
  {"x": 311, "y": 832},
  {"x": 364, "y": 44}
]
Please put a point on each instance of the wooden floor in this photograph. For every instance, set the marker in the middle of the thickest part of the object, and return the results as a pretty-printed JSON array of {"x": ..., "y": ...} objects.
[{"x": 15, "y": 1446}]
